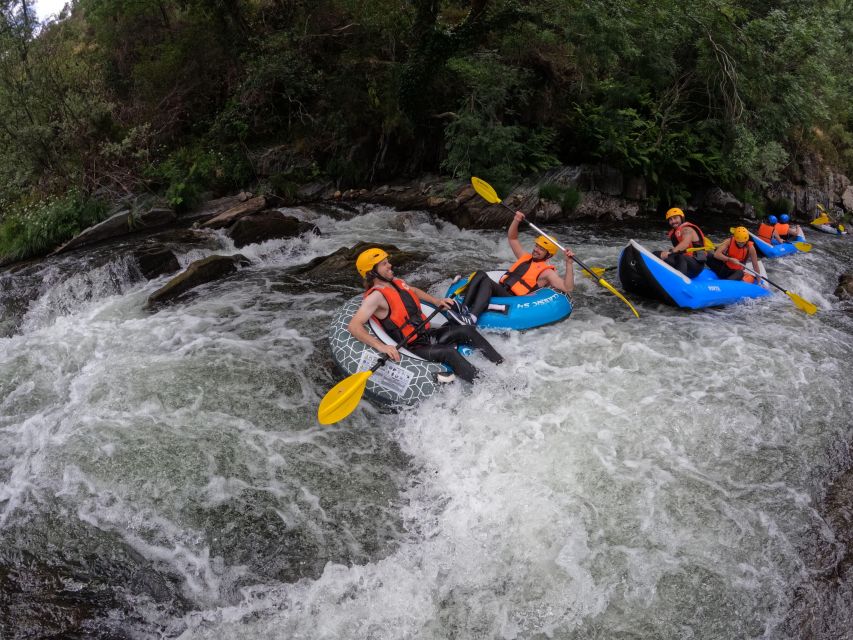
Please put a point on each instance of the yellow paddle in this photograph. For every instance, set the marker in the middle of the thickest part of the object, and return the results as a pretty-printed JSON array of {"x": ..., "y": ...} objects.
[
  {"x": 343, "y": 398},
  {"x": 464, "y": 287},
  {"x": 595, "y": 272},
  {"x": 490, "y": 195},
  {"x": 801, "y": 303}
]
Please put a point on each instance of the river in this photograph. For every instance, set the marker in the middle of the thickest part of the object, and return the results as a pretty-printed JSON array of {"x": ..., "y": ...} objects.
[{"x": 162, "y": 474}]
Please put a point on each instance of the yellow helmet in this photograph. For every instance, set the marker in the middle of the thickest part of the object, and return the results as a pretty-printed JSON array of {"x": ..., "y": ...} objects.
[
  {"x": 546, "y": 244},
  {"x": 368, "y": 259},
  {"x": 740, "y": 234},
  {"x": 675, "y": 211}
]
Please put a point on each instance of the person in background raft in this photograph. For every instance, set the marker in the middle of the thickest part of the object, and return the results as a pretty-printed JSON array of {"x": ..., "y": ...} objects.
[
  {"x": 731, "y": 256},
  {"x": 767, "y": 230},
  {"x": 397, "y": 307},
  {"x": 684, "y": 236},
  {"x": 787, "y": 232},
  {"x": 531, "y": 271}
]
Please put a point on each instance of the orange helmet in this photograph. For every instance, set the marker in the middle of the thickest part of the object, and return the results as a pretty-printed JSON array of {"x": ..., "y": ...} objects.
[{"x": 675, "y": 211}]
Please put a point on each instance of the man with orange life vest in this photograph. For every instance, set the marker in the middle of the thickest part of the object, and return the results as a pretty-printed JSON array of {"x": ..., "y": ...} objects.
[
  {"x": 531, "y": 271},
  {"x": 397, "y": 307},
  {"x": 767, "y": 230},
  {"x": 731, "y": 256},
  {"x": 684, "y": 236},
  {"x": 787, "y": 232}
]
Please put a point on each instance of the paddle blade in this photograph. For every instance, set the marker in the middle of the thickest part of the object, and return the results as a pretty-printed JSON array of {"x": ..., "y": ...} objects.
[
  {"x": 485, "y": 190},
  {"x": 343, "y": 398},
  {"x": 464, "y": 287},
  {"x": 610, "y": 288},
  {"x": 709, "y": 246},
  {"x": 805, "y": 247},
  {"x": 598, "y": 271},
  {"x": 821, "y": 220},
  {"x": 803, "y": 304}
]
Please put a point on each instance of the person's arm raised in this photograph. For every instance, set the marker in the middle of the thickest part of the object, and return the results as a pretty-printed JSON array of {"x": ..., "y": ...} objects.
[{"x": 512, "y": 235}]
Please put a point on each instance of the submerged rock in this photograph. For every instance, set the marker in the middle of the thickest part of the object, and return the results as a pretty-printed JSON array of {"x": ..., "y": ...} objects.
[
  {"x": 844, "y": 290},
  {"x": 339, "y": 267},
  {"x": 156, "y": 261},
  {"x": 267, "y": 225},
  {"x": 198, "y": 273}
]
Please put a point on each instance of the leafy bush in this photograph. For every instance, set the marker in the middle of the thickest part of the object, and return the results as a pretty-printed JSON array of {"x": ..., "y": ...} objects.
[
  {"x": 189, "y": 172},
  {"x": 36, "y": 229},
  {"x": 781, "y": 205},
  {"x": 760, "y": 161},
  {"x": 567, "y": 197},
  {"x": 499, "y": 153}
]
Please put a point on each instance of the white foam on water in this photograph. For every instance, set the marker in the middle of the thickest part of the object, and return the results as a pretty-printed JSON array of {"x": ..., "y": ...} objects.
[{"x": 613, "y": 477}]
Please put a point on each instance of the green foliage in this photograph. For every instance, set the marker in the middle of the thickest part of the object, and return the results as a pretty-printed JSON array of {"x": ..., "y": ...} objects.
[
  {"x": 502, "y": 154},
  {"x": 780, "y": 205},
  {"x": 190, "y": 172},
  {"x": 173, "y": 95},
  {"x": 567, "y": 197},
  {"x": 36, "y": 229},
  {"x": 760, "y": 162}
]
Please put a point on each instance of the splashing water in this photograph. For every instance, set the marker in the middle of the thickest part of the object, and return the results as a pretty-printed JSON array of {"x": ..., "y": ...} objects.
[{"x": 614, "y": 478}]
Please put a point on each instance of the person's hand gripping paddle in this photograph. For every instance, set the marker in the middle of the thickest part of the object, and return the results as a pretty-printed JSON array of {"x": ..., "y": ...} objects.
[{"x": 489, "y": 195}]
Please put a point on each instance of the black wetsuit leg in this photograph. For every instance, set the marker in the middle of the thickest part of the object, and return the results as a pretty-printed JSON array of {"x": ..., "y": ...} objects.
[
  {"x": 723, "y": 271},
  {"x": 688, "y": 265},
  {"x": 466, "y": 334},
  {"x": 442, "y": 348},
  {"x": 480, "y": 290},
  {"x": 447, "y": 354}
]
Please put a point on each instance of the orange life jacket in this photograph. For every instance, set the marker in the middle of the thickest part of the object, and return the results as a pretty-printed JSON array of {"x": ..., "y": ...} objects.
[
  {"x": 675, "y": 237},
  {"x": 521, "y": 278},
  {"x": 738, "y": 253},
  {"x": 405, "y": 315},
  {"x": 782, "y": 229},
  {"x": 765, "y": 231}
]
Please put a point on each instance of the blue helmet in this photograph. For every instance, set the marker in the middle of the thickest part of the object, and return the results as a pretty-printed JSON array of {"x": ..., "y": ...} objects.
[
  {"x": 784, "y": 217},
  {"x": 772, "y": 219}
]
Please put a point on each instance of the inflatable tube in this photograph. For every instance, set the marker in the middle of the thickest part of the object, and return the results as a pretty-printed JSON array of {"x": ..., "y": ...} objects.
[
  {"x": 767, "y": 250},
  {"x": 828, "y": 228},
  {"x": 538, "y": 309},
  {"x": 395, "y": 384},
  {"x": 643, "y": 273}
]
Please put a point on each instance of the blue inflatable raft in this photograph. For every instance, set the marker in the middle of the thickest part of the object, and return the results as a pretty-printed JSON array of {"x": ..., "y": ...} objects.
[
  {"x": 542, "y": 307},
  {"x": 769, "y": 250},
  {"x": 643, "y": 273}
]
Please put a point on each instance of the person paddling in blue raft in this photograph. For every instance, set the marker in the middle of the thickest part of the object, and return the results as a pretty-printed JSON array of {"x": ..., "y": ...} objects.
[
  {"x": 397, "y": 307},
  {"x": 778, "y": 230},
  {"x": 684, "y": 236},
  {"x": 530, "y": 272},
  {"x": 787, "y": 232},
  {"x": 732, "y": 255}
]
